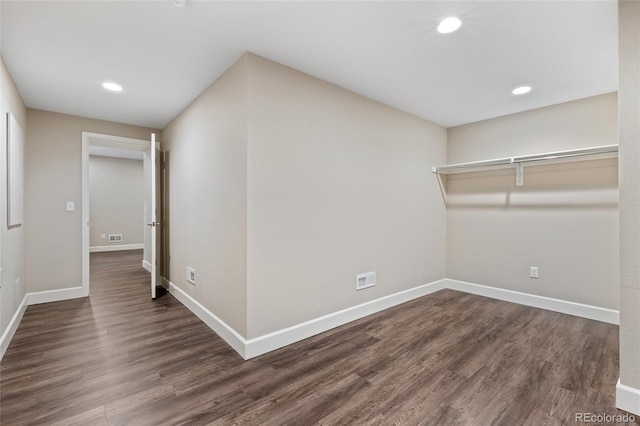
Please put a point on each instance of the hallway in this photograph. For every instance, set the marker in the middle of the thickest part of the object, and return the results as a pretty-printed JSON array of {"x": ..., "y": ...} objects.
[{"x": 79, "y": 360}]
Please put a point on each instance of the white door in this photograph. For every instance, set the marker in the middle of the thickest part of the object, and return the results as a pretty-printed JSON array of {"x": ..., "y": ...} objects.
[{"x": 155, "y": 216}]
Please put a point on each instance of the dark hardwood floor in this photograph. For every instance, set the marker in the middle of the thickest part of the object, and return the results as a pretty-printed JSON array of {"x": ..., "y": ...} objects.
[{"x": 449, "y": 358}]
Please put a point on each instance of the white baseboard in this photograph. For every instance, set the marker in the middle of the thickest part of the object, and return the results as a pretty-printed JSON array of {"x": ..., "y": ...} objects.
[
  {"x": 54, "y": 295},
  {"x": 228, "y": 334},
  {"x": 120, "y": 247},
  {"x": 146, "y": 265},
  {"x": 35, "y": 299},
  {"x": 628, "y": 398},
  {"x": 577, "y": 309},
  {"x": 278, "y": 339},
  {"x": 13, "y": 326},
  {"x": 260, "y": 345},
  {"x": 165, "y": 283}
]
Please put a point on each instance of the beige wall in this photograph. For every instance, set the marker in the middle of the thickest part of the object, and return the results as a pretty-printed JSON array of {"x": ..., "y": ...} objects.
[
  {"x": 338, "y": 185},
  {"x": 207, "y": 189},
  {"x": 300, "y": 185},
  {"x": 12, "y": 241},
  {"x": 629, "y": 81},
  {"x": 564, "y": 219},
  {"x": 54, "y": 176},
  {"x": 116, "y": 189}
]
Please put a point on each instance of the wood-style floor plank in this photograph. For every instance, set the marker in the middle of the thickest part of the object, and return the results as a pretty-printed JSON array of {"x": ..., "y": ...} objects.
[{"x": 120, "y": 358}]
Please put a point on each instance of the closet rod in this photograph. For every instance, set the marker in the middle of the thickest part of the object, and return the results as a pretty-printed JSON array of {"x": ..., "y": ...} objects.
[{"x": 513, "y": 161}]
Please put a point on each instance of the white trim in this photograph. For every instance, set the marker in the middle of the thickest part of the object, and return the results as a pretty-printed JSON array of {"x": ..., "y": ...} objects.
[
  {"x": 97, "y": 249},
  {"x": 165, "y": 283},
  {"x": 278, "y": 339},
  {"x": 85, "y": 212},
  {"x": 104, "y": 140},
  {"x": 260, "y": 345},
  {"x": 35, "y": 299},
  {"x": 572, "y": 308},
  {"x": 628, "y": 398},
  {"x": 55, "y": 295},
  {"x": 10, "y": 331},
  {"x": 228, "y": 334},
  {"x": 147, "y": 266}
]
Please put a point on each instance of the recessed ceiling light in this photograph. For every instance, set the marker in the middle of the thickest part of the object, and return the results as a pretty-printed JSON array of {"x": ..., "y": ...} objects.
[
  {"x": 114, "y": 87},
  {"x": 449, "y": 25},
  {"x": 521, "y": 90}
]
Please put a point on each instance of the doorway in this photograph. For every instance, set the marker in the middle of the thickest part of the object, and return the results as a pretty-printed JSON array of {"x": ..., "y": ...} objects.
[{"x": 117, "y": 146}]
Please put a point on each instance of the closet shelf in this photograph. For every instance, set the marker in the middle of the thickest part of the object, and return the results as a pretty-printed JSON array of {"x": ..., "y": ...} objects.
[
  {"x": 596, "y": 152},
  {"x": 605, "y": 151}
]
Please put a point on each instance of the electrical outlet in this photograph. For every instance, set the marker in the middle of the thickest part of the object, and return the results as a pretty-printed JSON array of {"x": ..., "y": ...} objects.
[
  {"x": 533, "y": 272},
  {"x": 191, "y": 275},
  {"x": 365, "y": 280},
  {"x": 103, "y": 236}
]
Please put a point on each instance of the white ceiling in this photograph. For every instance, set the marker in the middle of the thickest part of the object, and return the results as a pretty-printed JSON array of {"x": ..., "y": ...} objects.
[{"x": 59, "y": 53}]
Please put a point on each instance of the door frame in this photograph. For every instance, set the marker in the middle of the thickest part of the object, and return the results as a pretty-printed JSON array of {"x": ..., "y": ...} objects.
[{"x": 104, "y": 140}]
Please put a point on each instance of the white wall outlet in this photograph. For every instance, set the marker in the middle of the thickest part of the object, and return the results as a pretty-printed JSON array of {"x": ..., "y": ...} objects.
[
  {"x": 365, "y": 280},
  {"x": 191, "y": 275},
  {"x": 71, "y": 206},
  {"x": 533, "y": 272},
  {"x": 103, "y": 236}
]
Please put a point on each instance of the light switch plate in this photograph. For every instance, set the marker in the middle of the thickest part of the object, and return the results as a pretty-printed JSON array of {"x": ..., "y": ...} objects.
[{"x": 71, "y": 206}]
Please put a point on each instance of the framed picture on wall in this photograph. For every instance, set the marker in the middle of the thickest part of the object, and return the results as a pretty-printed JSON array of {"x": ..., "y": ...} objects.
[{"x": 15, "y": 172}]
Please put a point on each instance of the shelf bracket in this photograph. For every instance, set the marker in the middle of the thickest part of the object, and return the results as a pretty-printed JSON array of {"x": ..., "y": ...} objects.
[
  {"x": 442, "y": 188},
  {"x": 519, "y": 174}
]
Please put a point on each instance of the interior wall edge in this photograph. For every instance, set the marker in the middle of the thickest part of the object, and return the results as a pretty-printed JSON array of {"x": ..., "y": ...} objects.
[
  {"x": 221, "y": 328},
  {"x": 12, "y": 240},
  {"x": 629, "y": 173},
  {"x": 628, "y": 398}
]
